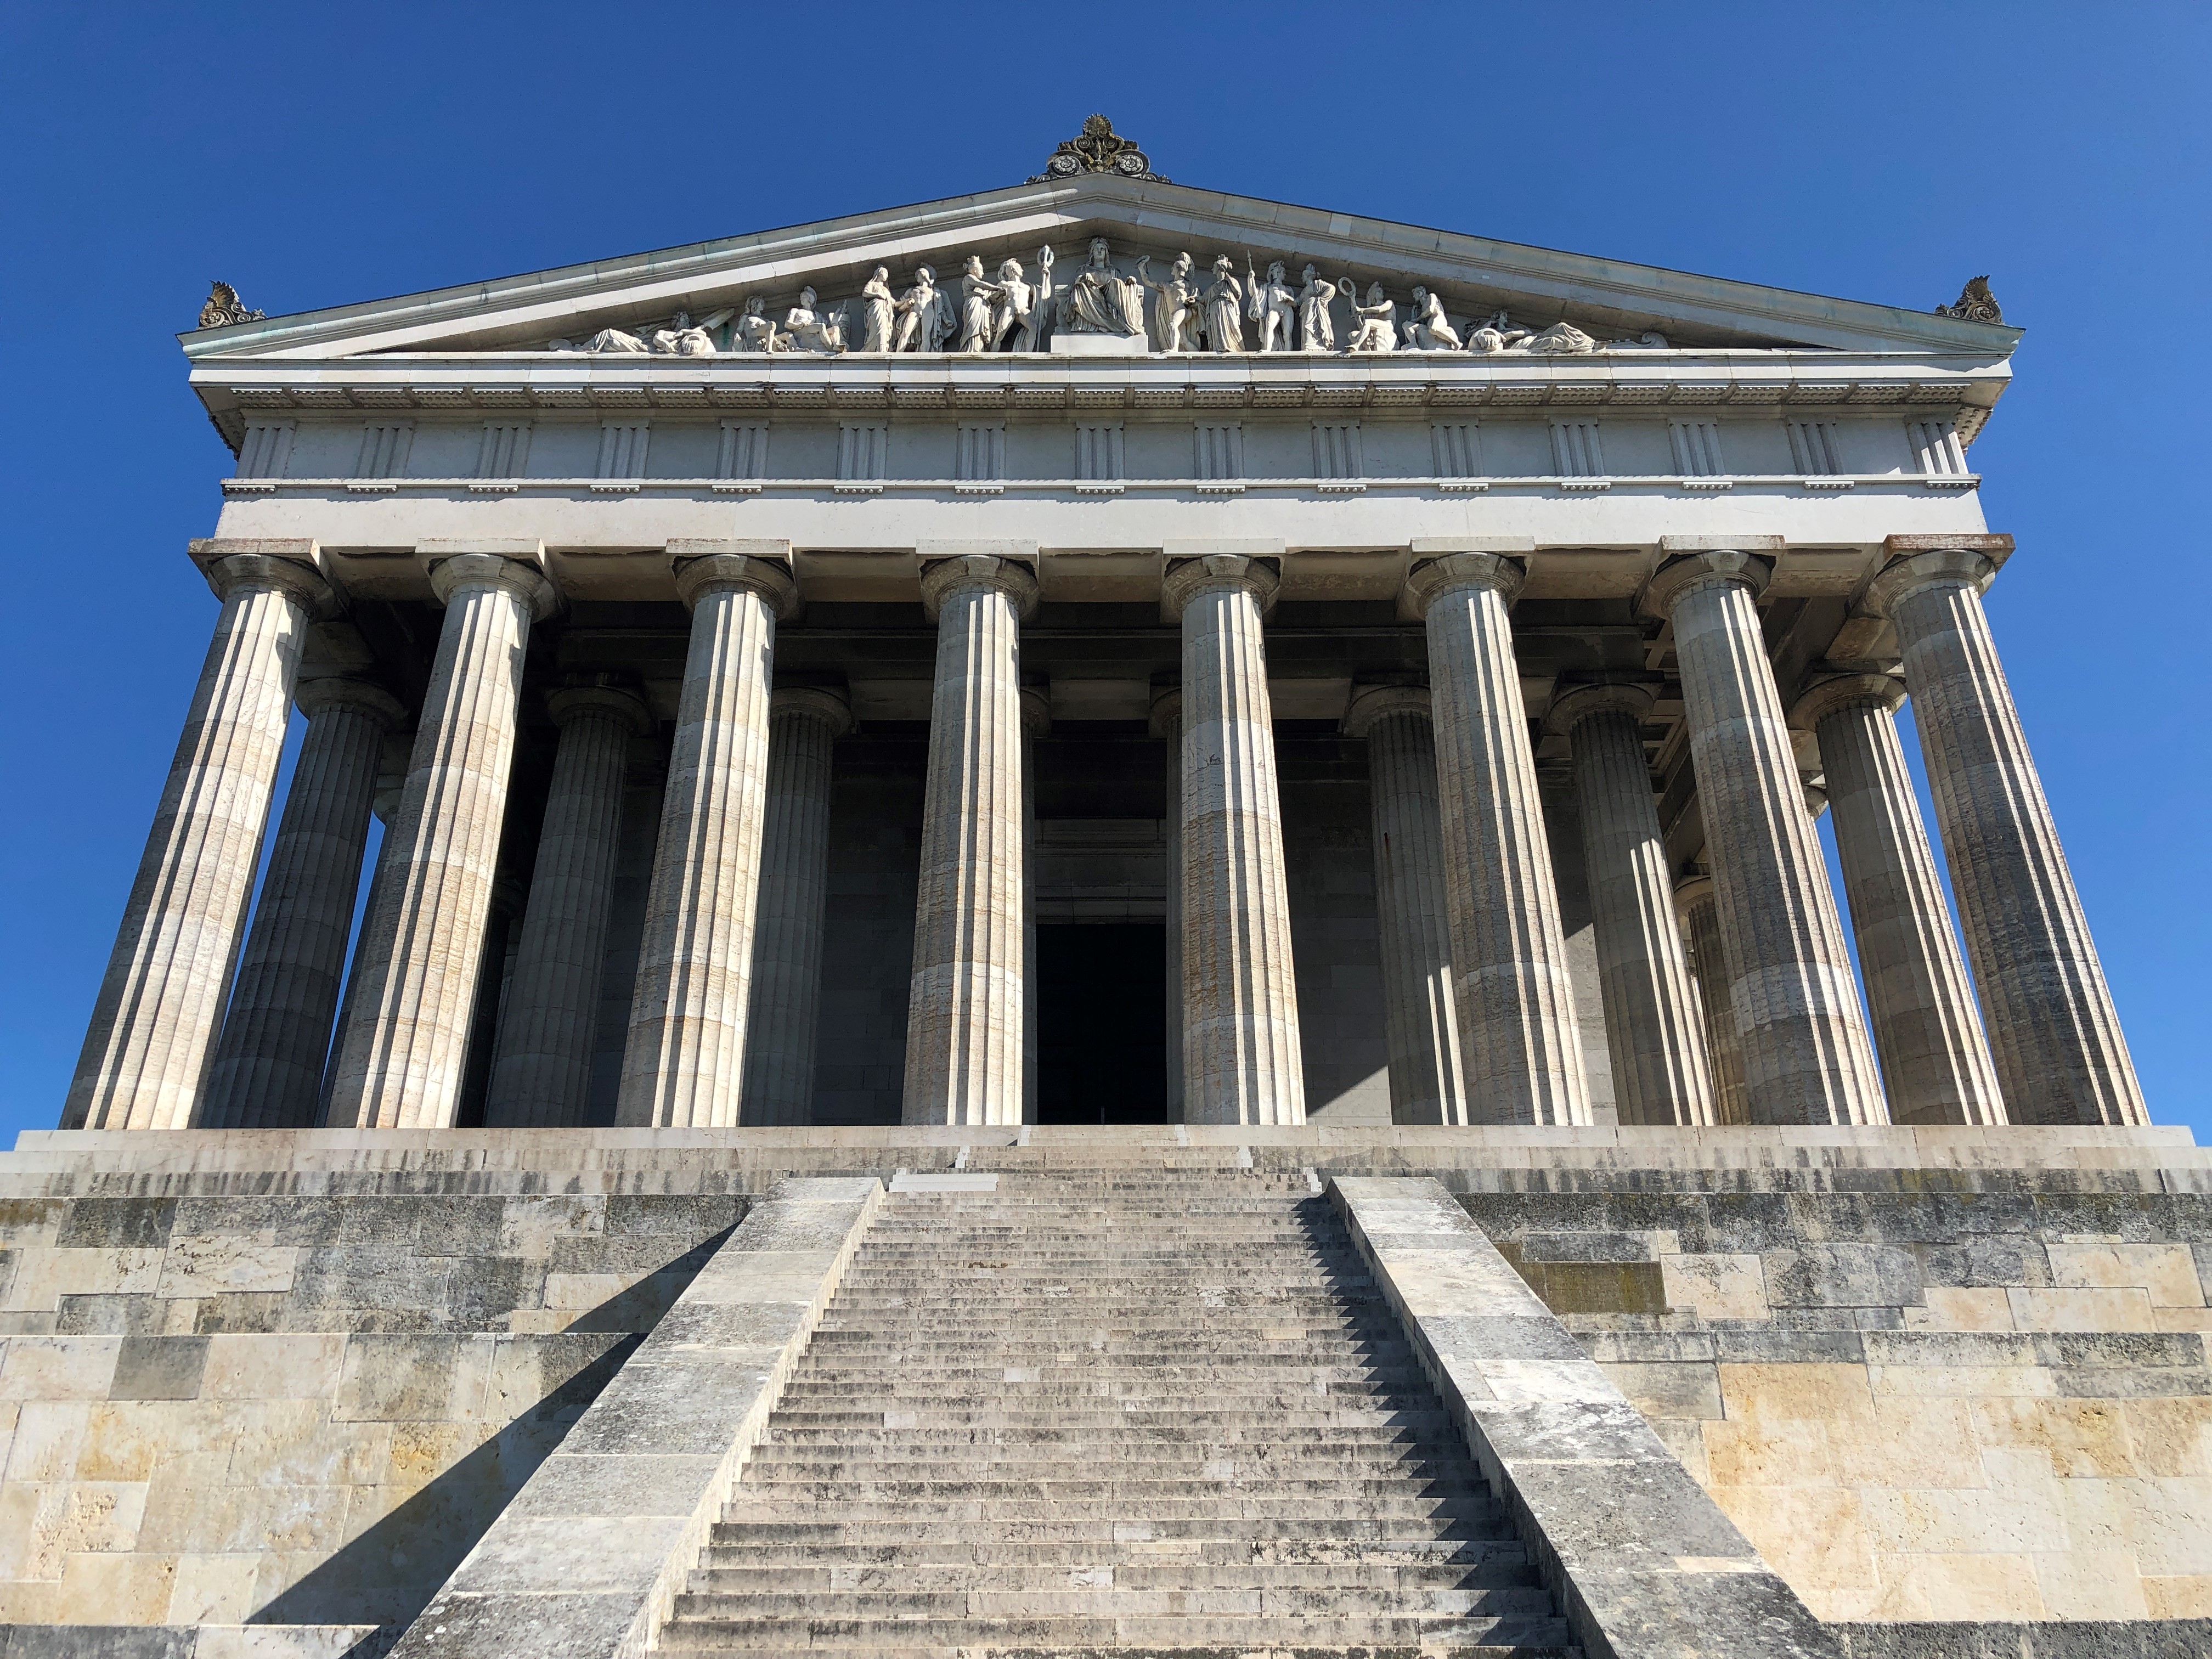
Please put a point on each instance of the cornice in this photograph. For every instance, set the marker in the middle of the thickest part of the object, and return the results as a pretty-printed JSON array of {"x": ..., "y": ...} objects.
[{"x": 1156, "y": 212}]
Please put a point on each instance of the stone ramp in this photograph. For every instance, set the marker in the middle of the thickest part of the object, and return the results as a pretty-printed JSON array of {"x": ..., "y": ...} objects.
[{"x": 1156, "y": 1407}]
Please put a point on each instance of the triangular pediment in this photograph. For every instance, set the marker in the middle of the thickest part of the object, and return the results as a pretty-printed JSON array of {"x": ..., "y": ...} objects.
[{"x": 1606, "y": 300}]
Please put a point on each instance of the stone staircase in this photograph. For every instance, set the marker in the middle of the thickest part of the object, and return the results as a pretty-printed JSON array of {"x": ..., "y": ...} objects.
[{"x": 1155, "y": 1408}]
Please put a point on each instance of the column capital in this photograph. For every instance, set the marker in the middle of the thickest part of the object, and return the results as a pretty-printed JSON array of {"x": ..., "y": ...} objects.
[
  {"x": 1165, "y": 717},
  {"x": 1692, "y": 888},
  {"x": 1378, "y": 703},
  {"x": 517, "y": 565},
  {"x": 1576, "y": 704},
  {"x": 813, "y": 702},
  {"x": 1707, "y": 568},
  {"x": 356, "y": 696},
  {"x": 1432, "y": 577},
  {"x": 1036, "y": 712},
  {"x": 295, "y": 567},
  {"x": 1824, "y": 696},
  {"x": 574, "y": 703},
  {"x": 699, "y": 574},
  {"x": 1184, "y": 579},
  {"x": 1943, "y": 567},
  {"x": 967, "y": 572}
]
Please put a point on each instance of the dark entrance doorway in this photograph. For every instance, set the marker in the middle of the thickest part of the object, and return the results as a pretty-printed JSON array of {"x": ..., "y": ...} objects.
[{"x": 1101, "y": 1022}]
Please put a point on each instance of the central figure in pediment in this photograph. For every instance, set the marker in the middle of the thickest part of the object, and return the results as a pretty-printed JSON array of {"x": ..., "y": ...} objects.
[{"x": 1099, "y": 299}]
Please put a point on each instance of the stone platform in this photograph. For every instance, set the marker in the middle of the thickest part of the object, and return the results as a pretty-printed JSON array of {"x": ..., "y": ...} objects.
[{"x": 285, "y": 1382}]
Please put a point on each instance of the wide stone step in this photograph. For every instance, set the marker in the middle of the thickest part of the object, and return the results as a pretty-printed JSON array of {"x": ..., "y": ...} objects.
[
  {"x": 1260, "y": 1458},
  {"x": 1111, "y": 1437},
  {"x": 1136, "y": 1418},
  {"x": 746, "y": 1578},
  {"x": 1205, "y": 1536},
  {"x": 1363, "y": 1557},
  {"x": 890, "y": 1503},
  {"x": 1057, "y": 1635},
  {"x": 1115, "y": 1603}
]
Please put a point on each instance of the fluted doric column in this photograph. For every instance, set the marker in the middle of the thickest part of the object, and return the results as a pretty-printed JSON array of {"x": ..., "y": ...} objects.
[
  {"x": 1037, "y": 721},
  {"x": 1427, "y": 1079},
  {"x": 541, "y": 1074},
  {"x": 1166, "y": 722},
  {"x": 153, "y": 1029},
  {"x": 683, "y": 1061},
  {"x": 1935, "y": 1066},
  {"x": 804, "y": 723},
  {"x": 268, "y": 1071},
  {"x": 1806, "y": 1058},
  {"x": 1660, "y": 1071},
  {"x": 1513, "y": 994},
  {"x": 1701, "y": 940},
  {"x": 400, "y": 1057},
  {"x": 2055, "y": 1037},
  {"x": 964, "y": 1006},
  {"x": 1241, "y": 1057}
]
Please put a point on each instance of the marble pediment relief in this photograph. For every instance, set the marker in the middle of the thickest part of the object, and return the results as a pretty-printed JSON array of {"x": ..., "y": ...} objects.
[{"x": 1097, "y": 264}]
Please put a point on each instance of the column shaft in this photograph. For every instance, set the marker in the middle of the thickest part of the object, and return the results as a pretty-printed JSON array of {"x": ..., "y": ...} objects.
[
  {"x": 964, "y": 1006},
  {"x": 1660, "y": 1070},
  {"x": 1701, "y": 939},
  {"x": 1513, "y": 995},
  {"x": 1167, "y": 726},
  {"x": 683, "y": 1064},
  {"x": 781, "y": 1025},
  {"x": 400, "y": 1058},
  {"x": 268, "y": 1071},
  {"x": 1935, "y": 1066},
  {"x": 541, "y": 1073},
  {"x": 153, "y": 1029},
  {"x": 1427, "y": 1076},
  {"x": 2059, "y": 1052},
  {"x": 1241, "y": 1060},
  {"x": 1806, "y": 1058}
]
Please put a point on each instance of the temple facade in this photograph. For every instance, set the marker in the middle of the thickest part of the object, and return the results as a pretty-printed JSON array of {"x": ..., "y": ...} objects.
[{"x": 1093, "y": 919}]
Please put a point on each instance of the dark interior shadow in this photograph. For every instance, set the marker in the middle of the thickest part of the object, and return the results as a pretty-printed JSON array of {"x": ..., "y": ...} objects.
[{"x": 387, "y": 1575}]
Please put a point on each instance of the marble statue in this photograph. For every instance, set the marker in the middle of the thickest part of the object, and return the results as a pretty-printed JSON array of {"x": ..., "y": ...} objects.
[
  {"x": 1018, "y": 319},
  {"x": 979, "y": 300},
  {"x": 684, "y": 338},
  {"x": 1495, "y": 334},
  {"x": 1378, "y": 320},
  {"x": 754, "y": 332},
  {"x": 1221, "y": 303},
  {"x": 615, "y": 339},
  {"x": 1317, "y": 332},
  {"x": 1273, "y": 304},
  {"x": 1561, "y": 339},
  {"x": 811, "y": 330},
  {"x": 1430, "y": 329},
  {"x": 1099, "y": 299},
  {"x": 1176, "y": 311},
  {"x": 926, "y": 318},
  {"x": 878, "y": 310},
  {"x": 1646, "y": 341}
]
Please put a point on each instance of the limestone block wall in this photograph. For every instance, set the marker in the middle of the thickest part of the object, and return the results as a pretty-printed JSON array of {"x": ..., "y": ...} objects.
[
  {"x": 1923, "y": 1394},
  {"x": 298, "y": 1400}
]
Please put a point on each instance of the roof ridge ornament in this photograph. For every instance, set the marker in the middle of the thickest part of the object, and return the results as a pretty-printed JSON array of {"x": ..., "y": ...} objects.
[
  {"x": 1097, "y": 149},
  {"x": 223, "y": 308},
  {"x": 1976, "y": 304}
]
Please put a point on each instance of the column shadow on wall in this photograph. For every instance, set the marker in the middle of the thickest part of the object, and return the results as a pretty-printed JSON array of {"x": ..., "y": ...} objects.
[{"x": 387, "y": 1575}]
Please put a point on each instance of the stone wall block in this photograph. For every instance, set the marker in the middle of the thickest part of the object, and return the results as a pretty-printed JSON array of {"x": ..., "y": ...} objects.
[
  {"x": 399, "y": 1058},
  {"x": 1516, "y": 1004},
  {"x": 684, "y": 1063},
  {"x": 154, "y": 1023}
]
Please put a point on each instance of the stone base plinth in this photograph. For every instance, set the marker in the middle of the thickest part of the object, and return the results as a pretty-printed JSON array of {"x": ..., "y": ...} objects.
[{"x": 1100, "y": 345}]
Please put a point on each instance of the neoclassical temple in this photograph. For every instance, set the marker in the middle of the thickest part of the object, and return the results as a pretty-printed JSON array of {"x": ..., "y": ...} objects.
[{"x": 1097, "y": 650}]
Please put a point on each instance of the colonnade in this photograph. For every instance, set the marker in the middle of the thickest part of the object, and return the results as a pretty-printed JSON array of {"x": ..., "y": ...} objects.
[{"x": 1729, "y": 997}]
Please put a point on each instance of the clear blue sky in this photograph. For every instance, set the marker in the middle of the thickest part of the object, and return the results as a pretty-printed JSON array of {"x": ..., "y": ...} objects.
[{"x": 313, "y": 155}]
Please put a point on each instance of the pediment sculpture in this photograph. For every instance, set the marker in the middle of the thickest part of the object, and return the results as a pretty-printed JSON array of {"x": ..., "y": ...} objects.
[{"x": 983, "y": 312}]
